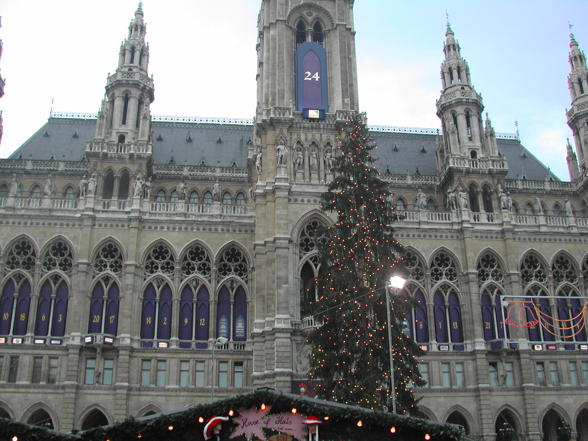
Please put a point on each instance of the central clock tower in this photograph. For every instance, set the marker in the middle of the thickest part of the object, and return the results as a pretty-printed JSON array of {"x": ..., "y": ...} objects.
[{"x": 306, "y": 89}]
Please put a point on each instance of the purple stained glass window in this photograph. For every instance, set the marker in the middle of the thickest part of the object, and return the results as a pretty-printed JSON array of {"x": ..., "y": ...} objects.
[
  {"x": 500, "y": 312},
  {"x": 421, "y": 321},
  {"x": 165, "y": 313},
  {"x": 96, "y": 303},
  {"x": 564, "y": 316},
  {"x": 487, "y": 317},
  {"x": 43, "y": 310},
  {"x": 455, "y": 318},
  {"x": 533, "y": 320},
  {"x": 23, "y": 304},
  {"x": 148, "y": 314},
  {"x": 577, "y": 312},
  {"x": 548, "y": 330},
  {"x": 223, "y": 317},
  {"x": 6, "y": 302},
  {"x": 202, "y": 314},
  {"x": 112, "y": 302},
  {"x": 60, "y": 310},
  {"x": 441, "y": 334},
  {"x": 186, "y": 314},
  {"x": 240, "y": 316}
]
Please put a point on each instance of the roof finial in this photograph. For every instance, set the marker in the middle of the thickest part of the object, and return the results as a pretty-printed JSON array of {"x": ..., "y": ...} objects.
[
  {"x": 447, "y": 20},
  {"x": 139, "y": 8},
  {"x": 517, "y": 130}
]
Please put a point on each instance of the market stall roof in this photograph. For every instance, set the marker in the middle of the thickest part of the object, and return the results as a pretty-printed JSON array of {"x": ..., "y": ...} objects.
[{"x": 340, "y": 421}]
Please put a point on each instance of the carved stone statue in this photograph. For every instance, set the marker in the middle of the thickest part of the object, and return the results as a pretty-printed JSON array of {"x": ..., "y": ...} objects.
[
  {"x": 282, "y": 154},
  {"x": 569, "y": 209},
  {"x": 181, "y": 189},
  {"x": 83, "y": 186},
  {"x": 92, "y": 185},
  {"x": 299, "y": 161},
  {"x": 147, "y": 185},
  {"x": 451, "y": 200},
  {"x": 328, "y": 160},
  {"x": 538, "y": 206},
  {"x": 258, "y": 163},
  {"x": 216, "y": 192},
  {"x": 462, "y": 199},
  {"x": 48, "y": 188},
  {"x": 313, "y": 159},
  {"x": 503, "y": 198},
  {"x": 13, "y": 191},
  {"x": 138, "y": 189},
  {"x": 421, "y": 200}
]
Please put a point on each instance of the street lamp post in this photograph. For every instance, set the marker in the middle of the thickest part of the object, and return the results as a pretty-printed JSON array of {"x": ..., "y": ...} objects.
[
  {"x": 219, "y": 341},
  {"x": 397, "y": 283}
]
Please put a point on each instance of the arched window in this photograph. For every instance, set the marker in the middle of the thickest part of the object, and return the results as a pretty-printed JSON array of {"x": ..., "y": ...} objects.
[
  {"x": 52, "y": 307},
  {"x": 417, "y": 319},
  {"x": 468, "y": 118},
  {"x": 69, "y": 193},
  {"x": 539, "y": 315},
  {"x": 156, "y": 312},
  {"x": 532, "y": 269},
  {"x": 458, "y": 419},
  {"x": 557, "y": 209},
  {"x": 300, "y": 32},
  {"x": 108, "y": 185},
  {"x": 552, "y": 421},
  {"x": 308, "y": 288},
  {"x": 125, "y": 109},
  {"x": 159, "y": 259},
  {"x": 447, "y": 311},
  {"x": 108, "y": 258},
  {"x": 317, "y": 33},
  {"x": 57, "y": 257},
  {"x": 240, "y": 199},
  {"x": 311, "y": 237},
  {"x": 196, "y": 260},
  {"x": 232, "y": 262},
  {"x": 529, "y": 211},
  {"x": 160, "y": 197},
  {"x": 473, "y": 195},
  {"x": 227, "y": 200},
  {"x": 489, "y": 269},
  {"x": 21, "y": 255},
  {"x": 473, "y": 154},
  {"x": 564, "y": 270},
  {"x": 174, "y": 196},
  {"x": 123, "y": 185},
  {"x": 400, "y": 204},
  {"x": 493, "y": 315},
  {"x": 232, "y": 324},
  {"x": 240, "y": 315},
  {"x": 36, "y": 192},
  {"x": 104, "y": 304},
  {"x": 194, "y": 197},
  {"x": 208, "y": 198},
  {"x": 3, "y": 191},
  {"x": 506, "y": 428},
  {"x": 41, "y": 418},
  {"x": 4, "y": 414},
  {"x": 223, "y": 313},
  {"x": 582, "y": 425},
  {"x": 121, "y": 139},
  {"x": 194, "y": 304},
  {"x": 14, "y": 305},
  {"x": 94, "y": 419},
  {"x": 487, "y": 199}
]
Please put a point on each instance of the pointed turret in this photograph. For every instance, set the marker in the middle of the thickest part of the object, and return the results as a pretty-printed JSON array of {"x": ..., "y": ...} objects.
[
  {"x": 578, "y": 113},
  {"x": 125, "y": 116},
  {"x": 572, "y": 161},
  {"x": 467, "y": 143}
]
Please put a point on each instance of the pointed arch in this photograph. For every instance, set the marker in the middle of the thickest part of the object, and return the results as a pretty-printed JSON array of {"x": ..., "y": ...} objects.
[
  {"x": 490, "y": 267},
  {"x": 297, "y": 12},
  {"x": 156, "y": 311},
  {"x": 415, "y": 263},
  {"x": 460, "y": 416},
  {"x": 21, "y": 253},
  {"x": 196, "y": 258},
  {"x": 57, "y": 254},
  {"x": 108, "y": 184},
  {"x": 233, "y": 260},
  {"x": 15, "y": 300},
  {"x": 41, "y": 414},
  {"x": 552, "y": 421},
  {"x": 513, "y": 417},
  {"x": 564, "y": 268},
  {"x": 533, "y": 268},
  {"x": 104, "y": 306},
  {"x": 317, "y": 32},
  {"x": 150, "y": 409},
  {"x": 301, "y": 31},
  {"x": 428, "y": 413},
  {"x": 493, "y": 315},
  {"x": 123, "y": 183},
  {"x": 194, "y": 312},
  {"x": 108, "y": 255},
  {"x": 159, "y": 257},
  {"x": 94, "y": 416},
  {"x": 539, "y": 312},
  {"x": 52, "y": 305},
  {"x": 417, "y": 315},
  {"x": 444, "y": 265},
  {"x": 581, "y": 420},
  {"x": 5, "y": 411}
]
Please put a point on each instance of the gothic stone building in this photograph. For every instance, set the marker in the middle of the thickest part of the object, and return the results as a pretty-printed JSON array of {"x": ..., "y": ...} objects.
[{"x": 149, "y": 263}]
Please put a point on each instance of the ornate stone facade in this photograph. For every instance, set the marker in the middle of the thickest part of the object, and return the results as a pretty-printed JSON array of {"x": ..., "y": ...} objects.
[{"x": 149, "y": 263}]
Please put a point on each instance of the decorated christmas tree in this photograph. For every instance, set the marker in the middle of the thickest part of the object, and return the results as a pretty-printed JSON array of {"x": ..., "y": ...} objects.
[{"x": 350, "y": 353}]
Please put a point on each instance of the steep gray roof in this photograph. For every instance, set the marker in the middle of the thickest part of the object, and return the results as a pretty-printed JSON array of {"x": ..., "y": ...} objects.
[{"x": 226, "y": 145}]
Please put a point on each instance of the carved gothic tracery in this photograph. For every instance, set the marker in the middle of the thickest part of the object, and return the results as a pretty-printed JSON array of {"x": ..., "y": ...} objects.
[
  {"x": 563, "y": 270},
  {"x": 443, "y": 268},
  {"x": 109, "y": 258},
  {"x": 489, "y": 269},
  {"x": 532, "y": 270},
  {"x": 233, "y": 262},
  {"x": 159, "y": 260},
  {"x": 196, "y": 261},
  {"x": 21, "y": 256},
  {"x": 58, "y": 256},
  {"x": 311, "y": 237}
]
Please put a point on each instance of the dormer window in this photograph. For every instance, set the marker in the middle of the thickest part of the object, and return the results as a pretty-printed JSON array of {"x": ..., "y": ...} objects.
[
  {"x": 300, "y": 32},
  {"x": 317, "y": 33}
]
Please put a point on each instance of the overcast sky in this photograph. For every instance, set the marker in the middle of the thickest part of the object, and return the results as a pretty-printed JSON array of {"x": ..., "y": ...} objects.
[{"x": 203, "y": 60}]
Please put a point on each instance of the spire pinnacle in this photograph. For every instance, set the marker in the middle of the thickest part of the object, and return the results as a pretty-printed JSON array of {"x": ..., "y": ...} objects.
[
  {"x": 573, "y": 41},
  {"x": 449, "y": 30},
  {"x": 139, "y": 8}
]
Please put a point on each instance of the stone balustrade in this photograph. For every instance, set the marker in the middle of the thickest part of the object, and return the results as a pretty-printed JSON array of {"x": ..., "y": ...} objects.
[{"x": 115, "y": 148}]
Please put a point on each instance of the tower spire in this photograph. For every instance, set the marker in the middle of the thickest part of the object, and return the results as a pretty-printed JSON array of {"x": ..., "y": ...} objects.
[
  {"x": 578, "y": 113},
  {"x": 125, "y": 115}
]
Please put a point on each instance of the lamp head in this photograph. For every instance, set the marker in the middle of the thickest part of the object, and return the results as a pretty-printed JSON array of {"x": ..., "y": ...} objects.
[{"x": 397, "y": 282}]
